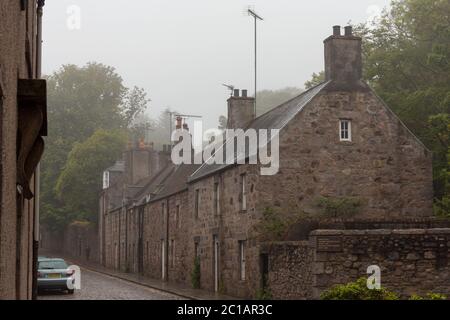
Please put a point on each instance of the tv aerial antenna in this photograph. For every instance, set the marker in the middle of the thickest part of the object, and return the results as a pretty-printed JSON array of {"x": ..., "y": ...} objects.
[{"x": 230, "y": 87}]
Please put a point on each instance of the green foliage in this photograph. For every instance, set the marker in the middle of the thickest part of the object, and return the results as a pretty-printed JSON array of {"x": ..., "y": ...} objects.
[
  {"x": 357, "y": 291},
  {"x": 269, "y": 99},
  {"x": 81, "y": 100},
  {"x": 264, "y": 294},
  {"x": 80, "y": 181},
  {"x": 221, "y": 287},
  {"x": 339, "y": 207},
  {"x": 407, "y": 62},
  {"x": 316, "y": 78},
  {"x": 55, "y": 219},
  {"x": 276, "y": 224},
  {"x": 134, "y": 104},
  {"x": 429, "y": 296},
  {"x": 441, "y": 130},
  {"x": 195, "y": 275}
]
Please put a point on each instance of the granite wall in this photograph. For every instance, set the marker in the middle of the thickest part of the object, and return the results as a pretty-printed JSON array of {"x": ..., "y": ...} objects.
[{"x": 412, "y": 261}]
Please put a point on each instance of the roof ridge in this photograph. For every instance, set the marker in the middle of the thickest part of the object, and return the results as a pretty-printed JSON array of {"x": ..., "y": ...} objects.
[
  {"x": 287, "y": 101},
  {"x": 153, "y": 179},
  {"x": 261, "y": 118},
  {"x": 167, "y": 187}
]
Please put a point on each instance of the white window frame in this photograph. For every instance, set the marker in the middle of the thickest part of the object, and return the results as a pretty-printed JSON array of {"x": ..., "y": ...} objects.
[
  {"x": 217, "y": 198},
  {"x": 347, "y": 130},
  {"x": 105, "y": 179},
  {"x": 242, "y": 260},
  {"x": 243, "y": 192}
]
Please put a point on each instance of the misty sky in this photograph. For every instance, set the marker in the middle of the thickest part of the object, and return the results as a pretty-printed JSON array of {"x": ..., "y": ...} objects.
[{"x": 181, "y": 51}]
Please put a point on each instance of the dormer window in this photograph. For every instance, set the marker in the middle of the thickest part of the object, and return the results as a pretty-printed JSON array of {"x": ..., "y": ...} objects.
[{"x": 345, "y": 130}]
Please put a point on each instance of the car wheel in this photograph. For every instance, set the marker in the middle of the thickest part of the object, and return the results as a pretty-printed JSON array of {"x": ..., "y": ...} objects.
[{"x": 71, "y": 291}]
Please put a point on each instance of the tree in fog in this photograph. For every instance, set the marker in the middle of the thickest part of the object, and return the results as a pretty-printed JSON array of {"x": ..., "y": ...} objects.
[
  {"x": 269, "y": 99},
  {"x": 80, "y": 181},
  {"x": 81, "y": 100},
  {"x": 316, "y": 78},
  {"x": 407, "y": 62},
  {"x": 222, "y": 122}
]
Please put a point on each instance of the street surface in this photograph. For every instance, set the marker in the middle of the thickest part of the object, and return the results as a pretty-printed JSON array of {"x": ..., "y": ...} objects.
[{"x": 98, "y": 286}]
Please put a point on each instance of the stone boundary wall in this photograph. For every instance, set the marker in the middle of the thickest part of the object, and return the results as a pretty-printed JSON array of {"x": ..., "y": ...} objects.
[
  {"x": 412, "y": 261},
  {"x": 290, "y": 269},
  {"x": 78, "y": 240},
  {"x": 302, "y": 230}
]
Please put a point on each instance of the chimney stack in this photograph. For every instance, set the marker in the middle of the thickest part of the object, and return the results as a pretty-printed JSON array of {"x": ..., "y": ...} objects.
[
  {"x": 240, "y": 110},
  {"x": 343, "y": 57}
]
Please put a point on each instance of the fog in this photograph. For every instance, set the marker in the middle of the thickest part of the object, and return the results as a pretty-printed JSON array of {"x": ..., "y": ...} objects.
[{"x": 181, "y": 51}]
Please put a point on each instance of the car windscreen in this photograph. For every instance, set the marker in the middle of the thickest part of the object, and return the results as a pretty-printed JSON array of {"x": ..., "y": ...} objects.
[{"x": 52, "y": 264}]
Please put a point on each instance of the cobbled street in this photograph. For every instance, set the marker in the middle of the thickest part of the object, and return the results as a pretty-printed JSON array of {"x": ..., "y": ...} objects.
[{"x": 98, "y": 286}]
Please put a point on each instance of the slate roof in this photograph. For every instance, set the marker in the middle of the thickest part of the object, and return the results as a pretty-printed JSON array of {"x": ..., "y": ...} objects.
[
  {"x": 155, "y": 185},
  {"x": 177, "y": 181},
  {"x": 276, "y": 118},
  {"x": 119, "y": 166}
]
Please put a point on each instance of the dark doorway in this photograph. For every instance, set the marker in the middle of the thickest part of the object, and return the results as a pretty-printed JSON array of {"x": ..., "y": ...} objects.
[{"x": 264, "y": 267}]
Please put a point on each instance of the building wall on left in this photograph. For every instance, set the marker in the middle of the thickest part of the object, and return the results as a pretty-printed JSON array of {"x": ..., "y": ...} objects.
[{"x": 17, "y": 60}]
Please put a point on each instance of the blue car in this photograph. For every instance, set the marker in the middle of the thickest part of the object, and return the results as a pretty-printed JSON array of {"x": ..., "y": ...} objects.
[{"x": 54, "y": 275}]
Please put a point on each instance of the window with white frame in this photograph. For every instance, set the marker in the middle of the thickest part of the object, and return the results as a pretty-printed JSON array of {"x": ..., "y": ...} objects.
[
  {"x": 243, "y": 192},
  {"x": 345, "y": 130},
  {"x": 216, "y": 199},
  {"x": 242, "y": 259},
  {"x": 105, "y": 179}
]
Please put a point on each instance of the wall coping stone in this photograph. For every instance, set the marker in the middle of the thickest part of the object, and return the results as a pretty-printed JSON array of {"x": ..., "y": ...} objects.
[
  {"x": 329, "y": 232},
  {"x": 438, "y": 231},
  {"x": 287, "y": 243}
]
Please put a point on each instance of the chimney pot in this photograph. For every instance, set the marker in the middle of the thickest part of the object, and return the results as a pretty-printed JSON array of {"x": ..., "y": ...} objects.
[
  {"x": 336, "y": 30},
  {"x": 348, "y": 31},
  {"x": 244, "y": 93},
  {"x": 179, "y": 121},
  {"x": 236, "y": 93}
]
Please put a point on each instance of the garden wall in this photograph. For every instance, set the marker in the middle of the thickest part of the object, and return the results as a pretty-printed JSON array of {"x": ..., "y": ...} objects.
[{"x": 412, "y": 261}]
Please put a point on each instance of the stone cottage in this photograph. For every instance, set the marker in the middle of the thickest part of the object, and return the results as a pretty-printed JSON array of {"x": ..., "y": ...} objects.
[{"x": 338, "y": 140}]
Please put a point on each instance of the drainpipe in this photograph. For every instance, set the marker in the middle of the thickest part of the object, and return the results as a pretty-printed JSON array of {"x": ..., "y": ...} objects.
[{"x": 37, "y": 174}]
